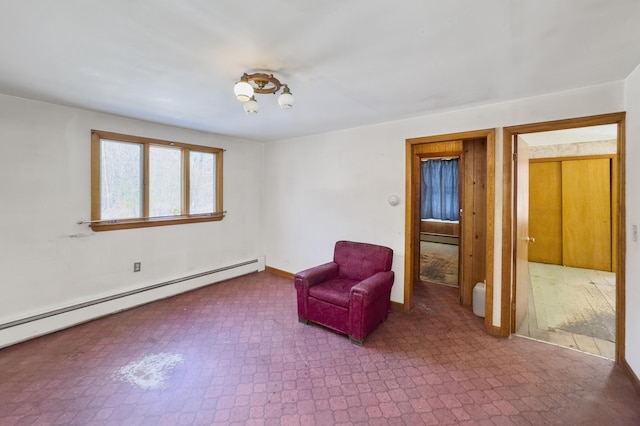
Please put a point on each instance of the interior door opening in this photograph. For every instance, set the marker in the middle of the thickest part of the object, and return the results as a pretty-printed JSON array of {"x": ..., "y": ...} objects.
[
  {"x": 571, "y": 283},
  {"x": 439, "y": 220},
  {"x": 476, "y": 150},
  {"x": 578, "y": 173}
]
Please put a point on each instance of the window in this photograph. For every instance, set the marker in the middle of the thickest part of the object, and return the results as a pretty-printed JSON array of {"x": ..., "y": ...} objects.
[
  {"x": 141, "y": 182},
  {"x": 439, "y": 191}
]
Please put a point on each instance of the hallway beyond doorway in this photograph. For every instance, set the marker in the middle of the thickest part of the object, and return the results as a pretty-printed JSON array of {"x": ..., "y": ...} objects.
[
  {"x": 439, "y": 263},
  {"x": 572, "y": 307}
]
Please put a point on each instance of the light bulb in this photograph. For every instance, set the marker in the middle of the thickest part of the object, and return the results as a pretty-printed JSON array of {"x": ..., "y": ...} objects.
[
  {"x": 285, "y": 100},
  {"x": 243, "y": 90},
  {"x": 251, "y": 106}
]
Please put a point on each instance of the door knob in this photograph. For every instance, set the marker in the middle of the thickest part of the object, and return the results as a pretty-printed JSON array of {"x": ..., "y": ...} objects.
[{"x": 531, "y": 240}]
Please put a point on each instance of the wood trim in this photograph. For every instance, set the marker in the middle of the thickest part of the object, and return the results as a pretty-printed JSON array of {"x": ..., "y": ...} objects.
[
  {"x": 151, "y": 222},
  {"x": 635, "y": 382},
  {"x": 279, "y": 272},
  {"x": 439, "y": 154},
  {"x": 507, "y": 233},
  {"x": 145, "y": 181},
  {"x": 507, "y": 216},
  {"x": 451, "y": 229},
  {"x": 95, "y": 176},
  {"x": 186, "y": 181},
  {"x": 410, "y": 207},
  {"x": 620, "y": 238},
  {"x": 412, "y": 225},
  {"x": 473, "y": 134},
  {"x": 571, "y": 123},
  {"x": 615, "y": 228},
  {"x": 490, "y": 243},
  {"x": 466, "y": 197},
  {"x": 152, "y": 141},
  {"x": 397, "y": 307},
  {"x": 585, "y": 157},
  {"x": 495, "y": 331},
  {"x": 219, "y": 181}
]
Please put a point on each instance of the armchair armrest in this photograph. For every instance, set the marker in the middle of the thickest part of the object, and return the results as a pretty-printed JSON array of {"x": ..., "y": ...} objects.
[
  {"x": 317, "y": 274},
  {"x": 308, "y": 278},
  {"x": 374, "y": 287},
  {"x": 369, "y": 304}
]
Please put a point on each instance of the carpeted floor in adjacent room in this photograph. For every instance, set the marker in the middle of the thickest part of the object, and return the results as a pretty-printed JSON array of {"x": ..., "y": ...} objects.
[{"x": 439, "y": 263}]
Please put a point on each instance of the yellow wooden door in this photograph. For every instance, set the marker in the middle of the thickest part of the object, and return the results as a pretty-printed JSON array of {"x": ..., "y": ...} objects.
[
  {"x": 586, "y": 213},
  {"x": 521, "y": 284},
  {"x": 545, "y": 212}
]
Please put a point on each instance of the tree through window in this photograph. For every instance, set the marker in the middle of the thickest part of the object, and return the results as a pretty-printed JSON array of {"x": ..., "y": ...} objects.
[{"x": 140, "y": 182}]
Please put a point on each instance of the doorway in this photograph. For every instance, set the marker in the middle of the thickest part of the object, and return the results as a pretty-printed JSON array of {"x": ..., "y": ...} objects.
[
  {"x": 440, "y": 219},
  {"x": 477, "y": 216},
  {"x": 515, "y": 232},
  {"x": 571, "y": 252}
]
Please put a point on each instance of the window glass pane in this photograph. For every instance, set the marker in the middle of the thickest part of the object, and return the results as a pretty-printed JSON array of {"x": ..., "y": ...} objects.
[
  {"x": 202, "y": 172},
  {"x": 165, "y": 181},
  {"x": 120, "y": 180}
]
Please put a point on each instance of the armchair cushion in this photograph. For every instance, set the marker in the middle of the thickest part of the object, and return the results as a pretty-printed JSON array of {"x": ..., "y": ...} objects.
[{"x": 336, "y": 291}]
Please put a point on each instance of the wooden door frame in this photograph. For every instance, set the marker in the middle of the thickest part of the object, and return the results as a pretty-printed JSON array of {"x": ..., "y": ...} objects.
[
  {"x": 519, "y": 146},
  {"x": 412, "y": 224},
  {"x": 508, "y": 199}
]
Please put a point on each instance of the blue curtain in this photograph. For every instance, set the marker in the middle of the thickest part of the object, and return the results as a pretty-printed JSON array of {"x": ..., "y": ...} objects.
[{"x": 439, "y": 197}]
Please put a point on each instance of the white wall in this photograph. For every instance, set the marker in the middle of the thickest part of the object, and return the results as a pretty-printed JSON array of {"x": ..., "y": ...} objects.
[
  {"x": 331, "y": 186},
  {"x": 632, "y": 202},
  {"x": 317, "y": 189},
  {"x": 573, "y": 149},
  {"x": 48, "y": 261},
  {"x": 328, "y": 187}
]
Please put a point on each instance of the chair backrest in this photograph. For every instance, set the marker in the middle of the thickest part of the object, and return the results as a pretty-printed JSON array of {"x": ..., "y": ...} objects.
[{"x": 358, "y": 261}]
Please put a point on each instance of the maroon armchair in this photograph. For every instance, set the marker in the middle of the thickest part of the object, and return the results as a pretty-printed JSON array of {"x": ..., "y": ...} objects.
[{"x": 350, "y": 295}]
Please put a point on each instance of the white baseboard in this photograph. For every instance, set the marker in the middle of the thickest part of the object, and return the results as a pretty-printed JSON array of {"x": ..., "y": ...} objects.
[{"x": 48, "y": 322}]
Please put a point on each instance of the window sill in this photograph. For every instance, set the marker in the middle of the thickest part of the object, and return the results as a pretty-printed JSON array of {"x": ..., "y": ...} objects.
[{"x": 113, "y": 225}]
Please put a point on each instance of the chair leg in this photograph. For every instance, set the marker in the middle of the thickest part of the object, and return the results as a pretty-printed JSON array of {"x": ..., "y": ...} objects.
[
  {"x": 303, "y": 320},
  {"x": 356, "y": 341}
]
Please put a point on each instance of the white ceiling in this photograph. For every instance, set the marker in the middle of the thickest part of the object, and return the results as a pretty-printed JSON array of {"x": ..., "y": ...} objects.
[{"x": 348, "y": 62}]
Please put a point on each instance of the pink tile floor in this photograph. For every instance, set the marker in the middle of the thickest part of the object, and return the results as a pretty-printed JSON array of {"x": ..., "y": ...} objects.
[{"x": 247, "y": 361}]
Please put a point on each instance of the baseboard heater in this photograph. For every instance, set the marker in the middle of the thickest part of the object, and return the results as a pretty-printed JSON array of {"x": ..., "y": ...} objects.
[
  {"x": 431, "y": 237},
  {"x": 121, "y": 295}
]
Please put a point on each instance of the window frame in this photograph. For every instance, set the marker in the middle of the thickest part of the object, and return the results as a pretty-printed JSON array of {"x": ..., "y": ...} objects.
[{"x": 98, "y": 224}]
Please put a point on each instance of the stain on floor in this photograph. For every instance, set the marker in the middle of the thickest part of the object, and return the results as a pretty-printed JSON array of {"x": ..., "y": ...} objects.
[{"x": 150, "y": 372}]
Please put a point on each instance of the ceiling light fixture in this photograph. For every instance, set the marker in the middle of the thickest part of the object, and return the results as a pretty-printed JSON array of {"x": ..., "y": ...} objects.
[
  {"x": 251, "y": 106},
  {"x": 250, "y": 84}
]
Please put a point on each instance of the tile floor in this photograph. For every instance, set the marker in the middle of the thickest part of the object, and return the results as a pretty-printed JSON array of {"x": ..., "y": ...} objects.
[
  {"x": 572, "y": 307},
  {"x": 239, "y": 357}
]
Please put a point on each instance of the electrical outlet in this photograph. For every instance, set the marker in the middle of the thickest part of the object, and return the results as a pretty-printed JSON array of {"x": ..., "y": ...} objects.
[
  {"x": 136, "y": 266},
  {"x": 634, "y": 233}
]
